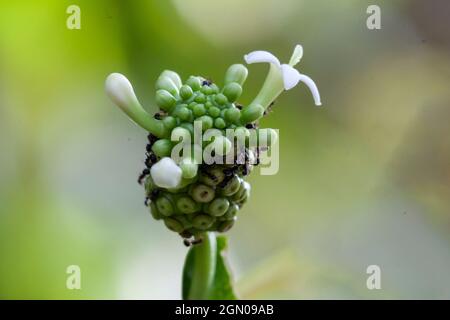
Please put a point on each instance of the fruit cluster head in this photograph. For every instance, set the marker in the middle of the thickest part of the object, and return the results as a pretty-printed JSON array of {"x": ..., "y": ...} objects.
[{"x": 209, "y": 196}]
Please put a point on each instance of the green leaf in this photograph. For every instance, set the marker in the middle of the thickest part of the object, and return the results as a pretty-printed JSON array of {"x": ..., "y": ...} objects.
[
  {"x": 222, "y": 288},
  {"x": 222, "y": 285}
]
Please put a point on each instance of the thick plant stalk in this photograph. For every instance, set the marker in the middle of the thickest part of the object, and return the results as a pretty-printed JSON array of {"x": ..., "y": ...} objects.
[{"x": 204, "y": 267}]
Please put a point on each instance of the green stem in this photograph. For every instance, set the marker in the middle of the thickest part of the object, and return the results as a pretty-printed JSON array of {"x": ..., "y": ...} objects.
[{"x": 204, "y": 267}]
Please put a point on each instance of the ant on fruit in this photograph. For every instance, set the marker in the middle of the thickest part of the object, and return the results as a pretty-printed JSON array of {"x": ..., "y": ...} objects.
[{"x": 144, "y": 173}]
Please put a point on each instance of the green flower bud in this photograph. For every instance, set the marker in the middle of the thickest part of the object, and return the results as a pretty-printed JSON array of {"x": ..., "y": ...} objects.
[
  {"x": 207, "y": 122},
  {"x": 202, "y": 193},
  {"x": 154, "y": 211},
  {"x": 186, "y": 92},
  {"x": 208, "y": 105},
  {"x": 162, "y": 148},
  {"x": 232, "y": 91},
  {"x": 212, "y": 177},
  {"x": 194, "y": 82},
  {"x": 214, "y": 87},
  {"x": 219, "y": 123},
  {"x": 214, "y": 112},
  {"x": 186, "y": 205},
  {"x": 236, "y": 73},
  {"x": 232, "y": 115},
  {"x": 221, "y": 99},
  {"x": 199, "y": 110},
  {"x": 251, "y": 113},
  {"x": 192, "y": 105},
  {"x": 165, "y": 100},
  {"x": 202, "y": 221},
  {"x": 164, "y": 206},
  {"x": 188, "y": 126},
  {"x": 200, "y": 98},
  {"x": 218, "y": 207},
  {"x": 182, "y": 112},
  {"x": 167, "y": 83},
  {"x": 169, "y": 122},
  {"x": 173, "y": 225},
  {"x": 207, "y": 90},
  {"x": 189, "y": 168},
  {"x": 225, "y": 226},
  {"x": 232, "y": 186}
]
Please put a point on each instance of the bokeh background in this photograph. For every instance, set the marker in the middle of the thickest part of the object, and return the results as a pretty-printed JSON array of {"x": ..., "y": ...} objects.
[{"x": 364, "y": 180}]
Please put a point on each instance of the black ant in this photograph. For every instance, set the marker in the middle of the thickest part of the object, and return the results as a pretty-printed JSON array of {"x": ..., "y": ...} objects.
[
  {"x": 206, "y": 82},
  {"x": 144, "y": 173},
  {"x": 153, "y": 194},
  {"x": 151, "y": 159},
  {"x": 147, "y": 201},
  {"x": 152, "y": 138},
  {"x": 269, "y": 108}
]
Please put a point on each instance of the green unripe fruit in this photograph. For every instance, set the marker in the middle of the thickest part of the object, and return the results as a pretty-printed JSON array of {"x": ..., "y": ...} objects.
[
  {"x": 173, "y": 224},
  {"x": 207, "y": 90},
  {"x": 182, "y": 112},
  {"x": 198, "y": 110},
  {"x": 167, "y": 83},
  {"x": 207, "y": 122},
  {"x": 194, "y": 82},
  {"x": 212, "y": 177},
  {"x": 232, "y": 91},
  {"x": 221, "y": 145},
  {"x": 231, "y": 212},
  {"x": 218, "y": 207},
  {"x": 202, "y": 221},
  {"x": 165, "y": 100},
  {"x": 221, "y": 99},
  {"x": 219, "y": 123},
  {"x": 214, "y": 112},
  {"x": 236, "y": 73},
  {"x": 162, "y": 148},
  {"x": 186, "y": 205},
  {"x": 189, "y": 168},
  {"x": 232, "y": 115},
  {"x": 154, "y": 211},
  {"x": 164, "y": 206},
  {"x": 186, "y": 92},
  {"x": 200, "y": 98},
  {"x": 202, "y": 193},
  {"x": 232, "y": 186},
  {"x": 225, "y": 226},
  {"x": 186, "y": 223},
  {"x": 149, "y": 184},
  {"x": 169, "y": 122}
]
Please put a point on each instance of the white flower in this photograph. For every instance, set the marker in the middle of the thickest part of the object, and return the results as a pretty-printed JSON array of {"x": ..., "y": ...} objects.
[
  {"x": 165, "y": 173},
  {"x": 291, "y": 77}
]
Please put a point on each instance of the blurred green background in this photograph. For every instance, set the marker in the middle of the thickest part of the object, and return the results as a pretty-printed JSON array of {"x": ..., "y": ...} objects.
[{"x": 364, "y": 180}]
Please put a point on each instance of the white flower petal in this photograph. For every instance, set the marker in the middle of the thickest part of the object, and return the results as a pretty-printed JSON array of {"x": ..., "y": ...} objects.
[
  {"x": 312, "y": 87},
  {"x": 296, "y": 55},
  {"x": 120, "y": 90},
  {"x": 165, "y": 173},
  {"x": 290, "y": 76},
  {"x": 261, "y": 56}
]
